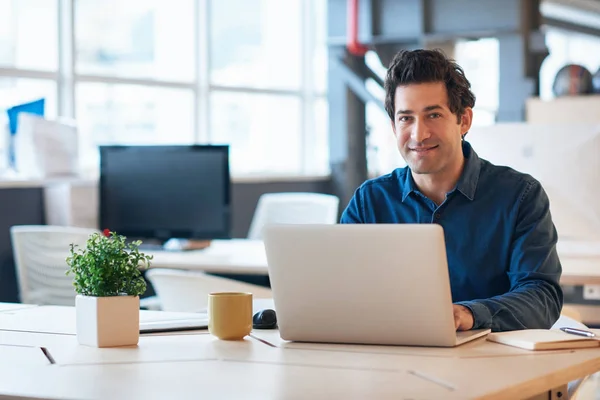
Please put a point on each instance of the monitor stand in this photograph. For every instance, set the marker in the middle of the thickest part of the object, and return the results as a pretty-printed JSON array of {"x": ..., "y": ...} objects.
[{"x": 185, "y": 244}]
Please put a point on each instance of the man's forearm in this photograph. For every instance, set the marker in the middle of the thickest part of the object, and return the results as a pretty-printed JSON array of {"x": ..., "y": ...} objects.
[{"x": 533, "y": 305}]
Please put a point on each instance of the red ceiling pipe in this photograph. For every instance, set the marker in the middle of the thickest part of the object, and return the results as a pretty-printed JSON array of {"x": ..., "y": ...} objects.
[{"x": 354, "y": 47}]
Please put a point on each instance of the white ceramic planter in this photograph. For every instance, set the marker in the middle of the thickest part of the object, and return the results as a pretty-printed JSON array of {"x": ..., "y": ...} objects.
[{"x": 108, "y": 321}]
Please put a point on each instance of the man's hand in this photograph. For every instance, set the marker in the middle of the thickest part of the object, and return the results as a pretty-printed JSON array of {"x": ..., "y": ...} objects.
[{"x": 463, "y": 318}]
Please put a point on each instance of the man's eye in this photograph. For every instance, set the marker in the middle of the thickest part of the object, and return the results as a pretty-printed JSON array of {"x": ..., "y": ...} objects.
[
  {"x": 435, "y": 115},
  {"x": 403, "y": 119}
]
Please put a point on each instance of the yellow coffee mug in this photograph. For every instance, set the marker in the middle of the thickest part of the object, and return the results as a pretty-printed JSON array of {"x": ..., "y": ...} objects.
[{"x": 230, "y": 315}]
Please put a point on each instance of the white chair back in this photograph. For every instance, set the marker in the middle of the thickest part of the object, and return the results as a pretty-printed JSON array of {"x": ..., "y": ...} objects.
[
  {"x": 293, "y": 208},
  {"x": 187, "y": 291},
  {"x": 40, "y": 253}
]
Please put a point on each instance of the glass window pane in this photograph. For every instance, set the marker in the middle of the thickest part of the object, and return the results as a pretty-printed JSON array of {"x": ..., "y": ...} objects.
[
  {"x": 21, "y": 90},
  {"x": 256, "y": 43},
  {"x": 481, "y": 63},
  {"x": 382, "y": 150},
  {"x": 29, "y": 34},
  {"x": 262, "y": 130},
  {"x": 142, "y": 39},
  {"x": 129, "y": 114},
  {"x": 316, "y": 155},
  {"x": 320, "y": 56}
]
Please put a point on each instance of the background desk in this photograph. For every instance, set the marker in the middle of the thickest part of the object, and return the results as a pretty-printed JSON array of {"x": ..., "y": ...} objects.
[
  {"x": 240, "y": 257},
  {"x": 580, "y": 271},
  {"x": 235, "y": 256},
  {"x": 194, "y": 365},
  {"x": 581, "y": 279},
  {"x": 581, "y": 263},
  {"x": 74, "y": 202}
]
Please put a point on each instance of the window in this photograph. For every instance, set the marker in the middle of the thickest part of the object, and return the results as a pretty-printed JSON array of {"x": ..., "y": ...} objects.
[
  {"x": 480, "y": 59},
  {"x": 22, "y": 46},
  {"x": 265, "y": 131},
  {"x": 382, "y": 150},
  {"x": 249, "y": 73},
  {"x": 130, "y": 114},
  {"x": 319, "y": 46},
  {"x": 267, "y": 77},
  {"x": 257, "y": 45},
  {"x": 22, "y": 90},
  {"x": 317, "y": 154},
  {"x": 141, "y": 39}
]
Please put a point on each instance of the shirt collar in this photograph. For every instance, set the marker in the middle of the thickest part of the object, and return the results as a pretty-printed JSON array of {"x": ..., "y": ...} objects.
[
  {"x": 467, "y": 183},
  {"x": 409, "y": 185}
]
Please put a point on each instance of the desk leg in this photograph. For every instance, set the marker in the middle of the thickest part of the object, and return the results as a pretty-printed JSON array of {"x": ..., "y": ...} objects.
[{"x": 558, "y": 393}]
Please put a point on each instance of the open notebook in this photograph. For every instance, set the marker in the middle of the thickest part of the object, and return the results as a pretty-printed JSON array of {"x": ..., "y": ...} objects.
[
  {"x": 174, "y": 325},
  {"x": 542, "y": 339}
]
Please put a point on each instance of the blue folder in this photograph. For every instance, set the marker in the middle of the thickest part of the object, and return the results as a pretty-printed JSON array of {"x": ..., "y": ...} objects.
[{"x": 34, "y": 107}]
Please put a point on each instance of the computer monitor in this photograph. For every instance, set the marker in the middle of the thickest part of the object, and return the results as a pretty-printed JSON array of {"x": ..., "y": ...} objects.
[{"x": 158, "y": 193}]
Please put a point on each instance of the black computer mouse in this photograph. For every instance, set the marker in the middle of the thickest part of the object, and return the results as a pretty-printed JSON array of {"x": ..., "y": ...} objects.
[{"x": 264, "y": 319}]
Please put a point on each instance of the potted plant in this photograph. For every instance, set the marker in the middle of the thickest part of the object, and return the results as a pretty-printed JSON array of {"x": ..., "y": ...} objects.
[{"x": 108, "y": 282}]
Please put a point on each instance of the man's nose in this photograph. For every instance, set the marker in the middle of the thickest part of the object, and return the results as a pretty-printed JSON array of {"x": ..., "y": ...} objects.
[{"x": 420, "y": 131}]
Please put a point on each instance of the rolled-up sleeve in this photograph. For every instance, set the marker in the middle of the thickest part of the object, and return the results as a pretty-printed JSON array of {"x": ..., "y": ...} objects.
[{"x": 535, "y": 298}]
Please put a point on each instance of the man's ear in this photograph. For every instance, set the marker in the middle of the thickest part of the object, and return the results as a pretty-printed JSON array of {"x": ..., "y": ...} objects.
[
  {"x": 393, "y": 127},
  {"x": 466, "y": 120}
]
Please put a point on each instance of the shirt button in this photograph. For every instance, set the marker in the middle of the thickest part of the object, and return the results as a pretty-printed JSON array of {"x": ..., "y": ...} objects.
[{"x": 437, "y": 216}]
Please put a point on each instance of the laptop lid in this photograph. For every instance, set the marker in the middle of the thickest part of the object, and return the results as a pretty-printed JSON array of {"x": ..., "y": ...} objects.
[{"x": 361, "y": 283}]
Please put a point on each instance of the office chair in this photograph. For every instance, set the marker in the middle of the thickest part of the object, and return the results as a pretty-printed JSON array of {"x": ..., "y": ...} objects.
[
  {"x": 40, "y": 253},
  {"x": 187, "y": 291},
  {"x": 293, "y": 208}
]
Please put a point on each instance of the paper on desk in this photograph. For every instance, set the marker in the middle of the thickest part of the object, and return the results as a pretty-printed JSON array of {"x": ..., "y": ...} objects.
[
  {"x": 46, "y": 148},
  {"x": 542, "y": 339}
]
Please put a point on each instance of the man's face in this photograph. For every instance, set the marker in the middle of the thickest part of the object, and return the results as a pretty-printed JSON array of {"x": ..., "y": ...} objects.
[{"x": 427, "y": 133}]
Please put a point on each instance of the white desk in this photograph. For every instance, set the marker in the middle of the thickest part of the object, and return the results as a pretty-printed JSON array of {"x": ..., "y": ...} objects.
[
  {"x": 60, "y": 320},
  {"x": 13, "y": 307},
  {"x": 238, "y": 256},
  {"x": 262, "y": 366}
]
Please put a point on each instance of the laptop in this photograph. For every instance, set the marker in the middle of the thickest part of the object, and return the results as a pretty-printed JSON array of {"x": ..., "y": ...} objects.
[{"x": 385, "y": 284}]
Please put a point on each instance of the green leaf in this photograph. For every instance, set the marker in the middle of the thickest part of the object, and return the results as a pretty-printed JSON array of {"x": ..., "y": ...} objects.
[{"x": 108, "y": 266}]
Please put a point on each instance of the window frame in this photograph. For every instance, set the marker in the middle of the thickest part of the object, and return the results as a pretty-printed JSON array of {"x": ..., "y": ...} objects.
[{"x": 67, "y": 78}]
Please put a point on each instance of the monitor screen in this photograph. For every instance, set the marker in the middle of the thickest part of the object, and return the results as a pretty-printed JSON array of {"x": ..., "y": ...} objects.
[{"x": 165, "y": 192}]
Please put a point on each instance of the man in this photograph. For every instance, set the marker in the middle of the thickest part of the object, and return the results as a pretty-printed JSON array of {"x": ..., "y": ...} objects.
[{"x": 500, "y": 238}]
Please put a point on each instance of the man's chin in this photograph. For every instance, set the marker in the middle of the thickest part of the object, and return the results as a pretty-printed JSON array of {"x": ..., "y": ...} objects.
[{"x": 421, "y": 169}]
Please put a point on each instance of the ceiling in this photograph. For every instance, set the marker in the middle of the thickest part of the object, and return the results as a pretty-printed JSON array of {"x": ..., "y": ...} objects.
[{"x": 573, "y": 13}]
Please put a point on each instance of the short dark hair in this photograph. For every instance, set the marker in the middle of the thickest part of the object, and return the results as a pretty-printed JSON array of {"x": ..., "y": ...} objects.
[{"x": 425, "y": 66}]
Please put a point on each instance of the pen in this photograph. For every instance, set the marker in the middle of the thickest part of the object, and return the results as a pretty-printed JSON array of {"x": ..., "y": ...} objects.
[{"x": 578, "y": 332}]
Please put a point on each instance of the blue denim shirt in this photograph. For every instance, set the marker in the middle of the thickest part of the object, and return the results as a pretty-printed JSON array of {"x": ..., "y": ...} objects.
[{"x": 500, "y": 239}]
